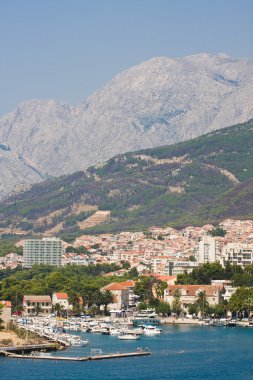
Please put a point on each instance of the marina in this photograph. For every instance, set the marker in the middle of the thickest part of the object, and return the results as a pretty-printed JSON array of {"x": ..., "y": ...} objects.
[{"x": 182, "y": 351}]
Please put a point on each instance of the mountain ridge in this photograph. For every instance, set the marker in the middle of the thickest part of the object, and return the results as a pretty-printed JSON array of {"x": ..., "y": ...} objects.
[{"x": 158, "y": 102}]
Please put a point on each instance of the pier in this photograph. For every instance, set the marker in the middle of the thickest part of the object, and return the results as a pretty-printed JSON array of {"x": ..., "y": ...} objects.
[
  {"x": 75, "y": 359},
  {"x": 27, "y": 348}
]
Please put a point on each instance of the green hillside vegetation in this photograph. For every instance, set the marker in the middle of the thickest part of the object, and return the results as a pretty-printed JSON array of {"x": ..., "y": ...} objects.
[
  {"x": 193, "y": 182},
  {"x": 77, "y": 281}
]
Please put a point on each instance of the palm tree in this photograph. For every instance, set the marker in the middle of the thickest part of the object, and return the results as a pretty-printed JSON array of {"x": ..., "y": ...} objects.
[
  {"x": 176, "y": 304},
  {"x": 1, "y": 320},
  {"x": 37, "y": 309},
  {"x": 201, "y": 302},
  {"x": 1, "y": 324},
  {"x": 74, "y": 300},
  {"x": 58, "y": 308},
  {"x": 89, "y": 297},
  {"x": 107, "y": 298}
]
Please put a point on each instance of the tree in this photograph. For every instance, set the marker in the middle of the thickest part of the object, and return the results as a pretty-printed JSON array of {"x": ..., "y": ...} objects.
[
  {"x": 125, "y": 264},
  {"x": 90, "y": 296},
  {"x": 74, "y": 300},
  {"x": 207, "y": 272},
  {"x": 58, "y": 308},
  {"x": 143, "y": 288},
  {"x": 107, "y": 298},
  {"x": 133, "y": 273},
  {"x": 217, "y": 231},
  {"x": 160, "y": 286},
  {"x": 163, "y": 308},
  {"x": 202, "y": 303},
  {"x": 37, "y": 309},
  {"x": 185, "y": 279},
  {"x": 142, "y": 306},
  {"x": 192, "y": 309},
  {"x": 192, "y": 258},
  {"x": 176, "y": 304},
  {"x": 242, "y": 300},
  {"x": 217, "y": 310},
  {"x": 1, "y": 320}
]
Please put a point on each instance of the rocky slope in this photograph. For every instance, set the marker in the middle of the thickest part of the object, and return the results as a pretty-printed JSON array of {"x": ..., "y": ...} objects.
[{"x": 161, "y": 101}]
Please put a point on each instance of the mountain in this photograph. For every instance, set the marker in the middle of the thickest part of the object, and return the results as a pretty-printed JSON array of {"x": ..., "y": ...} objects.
[
  {"x": 161, "y": 101},
  {"x": 199, "y": 181}
]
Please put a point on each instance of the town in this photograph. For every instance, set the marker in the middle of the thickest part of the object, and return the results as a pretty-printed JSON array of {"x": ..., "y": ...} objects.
[{"x": 163, "y": 253}]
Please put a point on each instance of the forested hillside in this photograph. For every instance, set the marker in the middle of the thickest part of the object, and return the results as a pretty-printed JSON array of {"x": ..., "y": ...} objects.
[{"x": 194, "y": 182}]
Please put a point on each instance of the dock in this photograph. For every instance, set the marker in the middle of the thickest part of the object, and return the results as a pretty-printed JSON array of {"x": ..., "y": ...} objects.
[
  {"x": 76, "y": 359},
  {"x": 28, "y": 348}
]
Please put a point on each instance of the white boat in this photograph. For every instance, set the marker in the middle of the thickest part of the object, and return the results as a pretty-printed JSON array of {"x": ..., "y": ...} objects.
[
  {"x": 115, "y": 332},
  {"x": 77, "y": 341},
  {"x": 151, "y": 330},
  {"x": 128, "y": 337},
  {"x": 146, "y": 317}
]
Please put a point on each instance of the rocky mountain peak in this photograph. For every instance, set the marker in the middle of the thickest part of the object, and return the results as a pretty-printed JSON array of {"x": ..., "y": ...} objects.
[{"x": 160, "y": 101}]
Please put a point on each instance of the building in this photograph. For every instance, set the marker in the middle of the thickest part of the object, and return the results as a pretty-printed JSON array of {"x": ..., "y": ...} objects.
[
  {"x": 122, "y": 293},
  {"x": 43, "y": 251},
  {"x": 5, "y": 312},
  {"x": 209, "y": 249},
  {"x": 37, "y": 305},
  {"x": 229, "y": 291},
  {"x": 62, "y": 299},
  {"x": 237, "y": 253},
  {"x": 189, "y": 294},
  {"x": 183, "y": 267}
]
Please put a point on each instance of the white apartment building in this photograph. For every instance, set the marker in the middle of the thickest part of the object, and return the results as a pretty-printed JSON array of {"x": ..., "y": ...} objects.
[
  {"x": 237, "y": 253},
  {"x": 62, "y": 299},
  {"x": 43, "y": 251},
  {"x": 180, "y": 267},
  {"x": 209, "y": 249}
]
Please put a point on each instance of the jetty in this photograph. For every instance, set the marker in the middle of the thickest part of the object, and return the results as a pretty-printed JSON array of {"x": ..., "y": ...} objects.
[
  {"x": 27, "y": 348},
  {"x": 76, "y": 359}
]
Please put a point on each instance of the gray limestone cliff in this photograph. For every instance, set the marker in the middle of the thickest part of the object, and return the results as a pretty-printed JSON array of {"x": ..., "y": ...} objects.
[{"x": 161, "y": 101}]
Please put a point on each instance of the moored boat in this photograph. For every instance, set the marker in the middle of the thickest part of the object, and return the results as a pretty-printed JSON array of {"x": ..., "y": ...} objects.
[
  {"x": 146, "y": 317},
  {"x": 151, "y": 330},
  {"x": 128, "y": 337}
]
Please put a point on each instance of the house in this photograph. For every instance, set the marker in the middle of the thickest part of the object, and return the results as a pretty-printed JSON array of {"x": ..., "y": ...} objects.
[
  {"x": 5, "y": 312},
  {"x": 37, "y": 304},
  {"x": 189, "y": 294},
  {"x": 62, "y": 299},
  {"x": 123, "y": 294}
]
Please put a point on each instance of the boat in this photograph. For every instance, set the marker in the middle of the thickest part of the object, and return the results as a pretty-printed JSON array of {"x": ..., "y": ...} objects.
[
  {"x": 77, "y": 341},
  {"x": 115, "y": 332},
  {"x": 128, "y": 337},
  {"x": 151, "y": 330},
  {"x": 146, "y": 317},
  {"x": 230, "y": 324}
]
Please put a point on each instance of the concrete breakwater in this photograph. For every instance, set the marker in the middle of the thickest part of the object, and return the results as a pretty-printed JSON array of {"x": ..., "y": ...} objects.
[{"x": 79, "y": 359}]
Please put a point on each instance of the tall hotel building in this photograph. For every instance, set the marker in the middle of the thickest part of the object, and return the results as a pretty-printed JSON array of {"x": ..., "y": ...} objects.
[{"x": 42, "y": 251}]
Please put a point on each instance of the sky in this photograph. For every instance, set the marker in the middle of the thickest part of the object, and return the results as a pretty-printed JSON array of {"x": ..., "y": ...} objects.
[{"x": 67, "y": 49}]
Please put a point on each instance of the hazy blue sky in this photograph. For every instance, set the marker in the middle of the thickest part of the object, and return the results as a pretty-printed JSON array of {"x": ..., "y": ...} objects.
[{"x": 66, "y": 49}]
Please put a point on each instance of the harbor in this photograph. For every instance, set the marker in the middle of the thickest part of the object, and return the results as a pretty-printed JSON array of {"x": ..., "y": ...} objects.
[{"x": 193, "y": 345}]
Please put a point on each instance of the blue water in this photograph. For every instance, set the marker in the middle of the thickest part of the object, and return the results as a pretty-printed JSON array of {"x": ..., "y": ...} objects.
[{"x": 180, "y": 352}]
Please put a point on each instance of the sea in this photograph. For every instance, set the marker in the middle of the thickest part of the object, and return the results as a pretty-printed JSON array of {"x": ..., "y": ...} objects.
[{"x": 181, "y": 352}]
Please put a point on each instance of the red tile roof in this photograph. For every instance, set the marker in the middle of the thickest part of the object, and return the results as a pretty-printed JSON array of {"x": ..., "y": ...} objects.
[
  {"x": 120, "y": 285},
  {"x": 6, "y": 303},
  {"x": 37, "y": 298},
  {"x": 61, "y": 296}
]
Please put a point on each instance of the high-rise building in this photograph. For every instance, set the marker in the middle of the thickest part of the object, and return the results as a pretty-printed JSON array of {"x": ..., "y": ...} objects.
[{"x": 43, "y": 251}]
